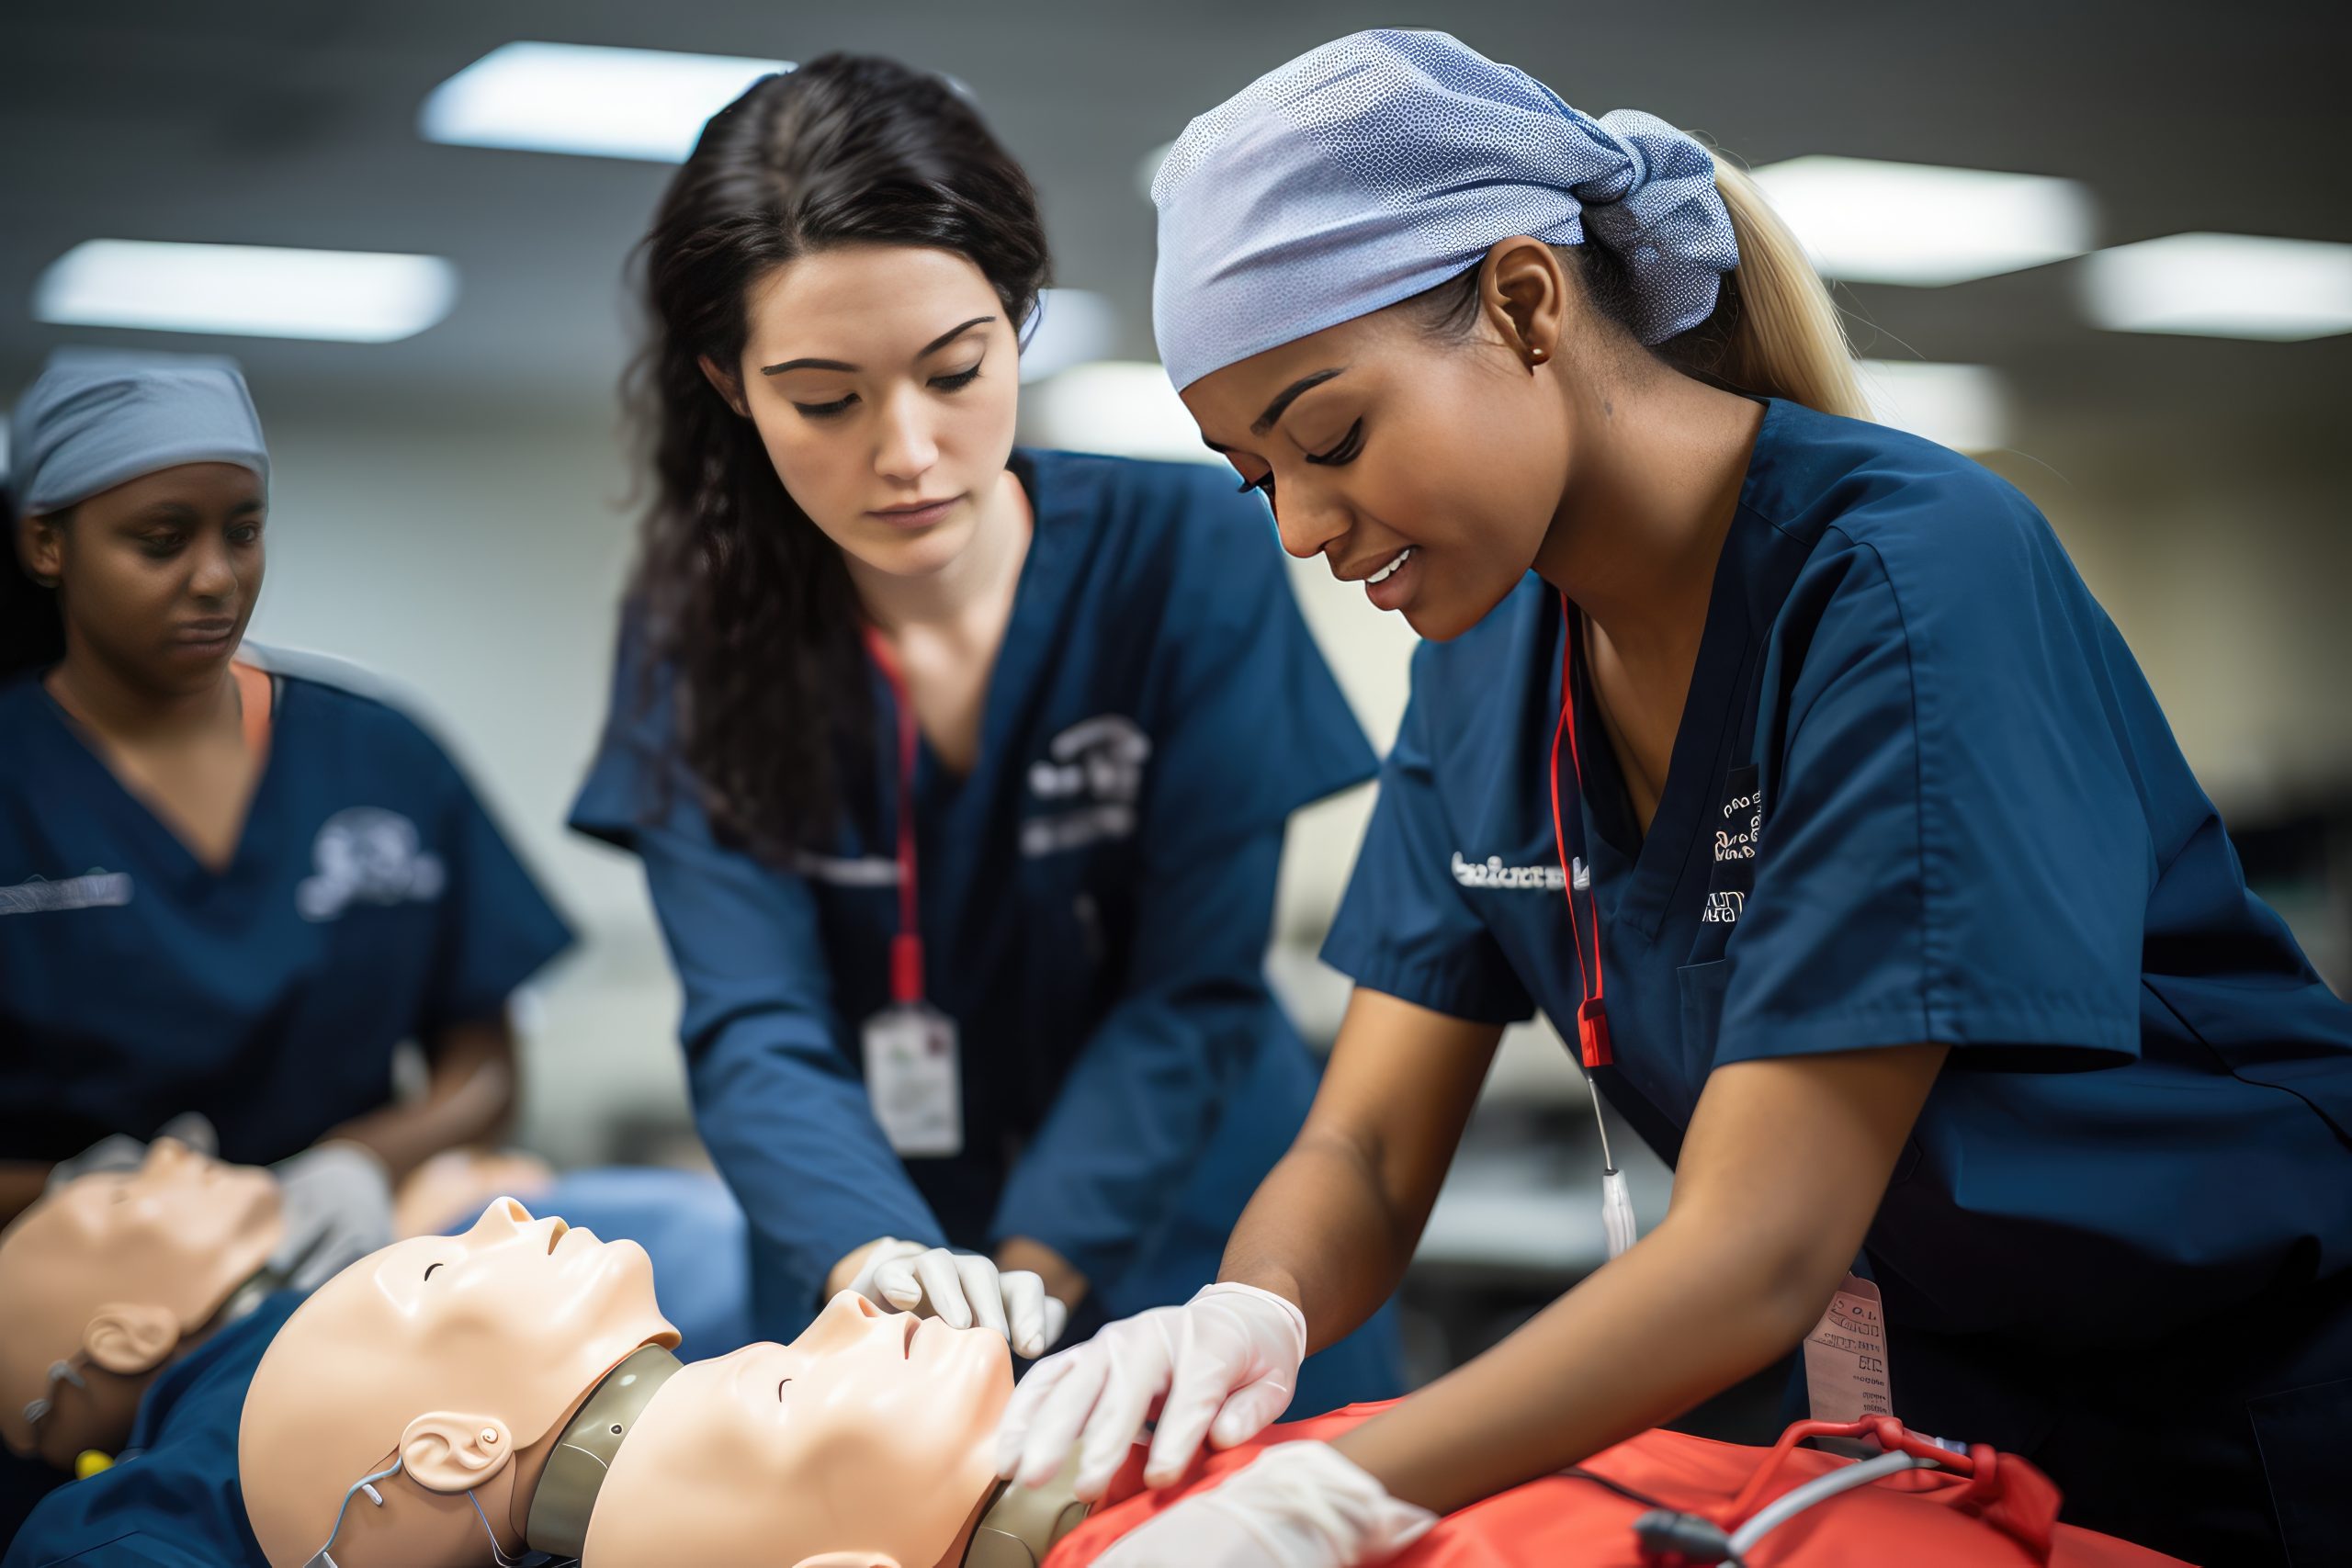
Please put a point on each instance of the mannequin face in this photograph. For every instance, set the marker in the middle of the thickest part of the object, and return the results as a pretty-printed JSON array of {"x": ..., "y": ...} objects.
[
  {"x": 864, "y": 1442},
  {"x": 456, "y": 1353},
  {"x": 111, "y": 1273}
]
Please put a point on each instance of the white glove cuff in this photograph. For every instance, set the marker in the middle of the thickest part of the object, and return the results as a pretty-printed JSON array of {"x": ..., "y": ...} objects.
[
  {"x": 1290, "y": 1310},
  {"x": 1353, "y": 1512}
]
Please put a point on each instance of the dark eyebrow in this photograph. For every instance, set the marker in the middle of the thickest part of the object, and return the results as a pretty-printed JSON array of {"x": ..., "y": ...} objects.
[
  {"x": 933, "y": 346},
  {"x": 1289, "y": 395}
]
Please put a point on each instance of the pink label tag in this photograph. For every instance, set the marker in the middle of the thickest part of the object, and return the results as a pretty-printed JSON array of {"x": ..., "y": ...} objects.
[{"x": 1844, "y": 1357}]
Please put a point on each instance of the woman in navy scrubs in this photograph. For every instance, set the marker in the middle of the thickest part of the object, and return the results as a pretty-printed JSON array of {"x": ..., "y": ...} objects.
[
  {"x": 959, "y": 772},
  {"x": 224, "y": 888},
  {"x": 1887, "y": 908}
]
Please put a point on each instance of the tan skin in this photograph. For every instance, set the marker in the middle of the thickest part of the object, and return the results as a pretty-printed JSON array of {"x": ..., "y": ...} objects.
[
  {"x": 883, "y": 381},
  {"x": 1550, "y": 440},
  {"x": 157, "y": 579}
]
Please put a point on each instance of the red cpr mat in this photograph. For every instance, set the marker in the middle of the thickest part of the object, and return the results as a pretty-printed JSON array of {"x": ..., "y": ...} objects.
[{"x": 1978, "y": 1510}]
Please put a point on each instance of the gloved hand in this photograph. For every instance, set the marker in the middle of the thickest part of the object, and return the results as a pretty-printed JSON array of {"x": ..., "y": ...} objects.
[
  {"x": 1295, "y": 1506},
  {"x": 337, "y": 1207},
  {"x": 1222, "y": 1366},
  {"x": 120, "y": 1151},
  {"x": 962, "y": 1289}
]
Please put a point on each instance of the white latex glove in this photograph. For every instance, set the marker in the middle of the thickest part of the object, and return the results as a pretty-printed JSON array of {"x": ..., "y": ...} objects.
[
  {"x": 961, "y": 1288},
  {"x": 1221, "y": 1367},
  {"x": 1295, "y": 1506},
  {"x": 337, "y": 1204}
]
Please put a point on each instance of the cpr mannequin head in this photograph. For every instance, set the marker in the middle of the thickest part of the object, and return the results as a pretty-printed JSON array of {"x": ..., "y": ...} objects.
[
  {"x": 451, "y": 1356},
  {"x": 865, "y": 1443},
  {"x": 853, "y": 220},
  {"x": 112, "y": 1275}
]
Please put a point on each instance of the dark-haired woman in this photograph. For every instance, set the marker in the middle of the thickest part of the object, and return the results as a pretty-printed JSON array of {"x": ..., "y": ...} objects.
[{"x": 959, "y": 772}]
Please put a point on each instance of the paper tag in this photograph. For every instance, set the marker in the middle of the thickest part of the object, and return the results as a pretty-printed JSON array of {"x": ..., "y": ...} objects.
[
  {"x": 1845, "y": 1356},
  {"x": 914, "y": 1078}
]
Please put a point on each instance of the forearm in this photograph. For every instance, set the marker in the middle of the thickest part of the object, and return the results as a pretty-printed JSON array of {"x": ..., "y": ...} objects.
[
  {"x": 1739, "y": 1271},
  {"x": 469, "y": 1099},
  {"x": 1686, "y": 1312},
  {"x": 1320, "y": 1232}
]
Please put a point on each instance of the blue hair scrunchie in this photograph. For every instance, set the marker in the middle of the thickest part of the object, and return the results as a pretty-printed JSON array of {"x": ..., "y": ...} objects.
[{"x": 1380, "y": 165}]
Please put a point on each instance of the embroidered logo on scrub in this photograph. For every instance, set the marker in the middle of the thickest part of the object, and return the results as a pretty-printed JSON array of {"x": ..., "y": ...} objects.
[
  {"x": 1095, "y": 768},
  {"x": 368, "y": 855},
  {"x": 1492, "y": 872},
  {"x": 97, "y": 889},
  {"x": 1739, "y": 824}
]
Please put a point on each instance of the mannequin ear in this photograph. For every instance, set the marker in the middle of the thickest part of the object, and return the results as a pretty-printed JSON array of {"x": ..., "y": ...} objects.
[
  {"x": 131, "y": 1337},
  {"x": 447, "y": 1451},
  {"x": 724, "y": 385},
  {"x": 848, "y": 1559}
]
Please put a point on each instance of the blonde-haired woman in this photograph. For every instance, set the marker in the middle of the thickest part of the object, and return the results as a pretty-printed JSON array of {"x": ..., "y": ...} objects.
[{"x": 1787, "y": 765}]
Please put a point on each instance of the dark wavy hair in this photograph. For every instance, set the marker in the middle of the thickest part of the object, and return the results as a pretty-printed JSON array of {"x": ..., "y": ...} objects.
[{"x": 748, "y": 607}]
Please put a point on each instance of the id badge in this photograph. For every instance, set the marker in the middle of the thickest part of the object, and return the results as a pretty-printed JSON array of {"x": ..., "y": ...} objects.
[
  {"x": 915, "y": 1079},
  {"x": 1845, "y": 1356}
]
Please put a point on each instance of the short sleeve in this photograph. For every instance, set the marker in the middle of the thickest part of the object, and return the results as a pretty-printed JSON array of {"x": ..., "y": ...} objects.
[
  {"x": 1405, "y": 928},
  {"x": 635, "y": 780},
  {"x": 1242, "y": 678},
  {"x": 1953, "y": 850},
  {"x": 497, "y": 927}
]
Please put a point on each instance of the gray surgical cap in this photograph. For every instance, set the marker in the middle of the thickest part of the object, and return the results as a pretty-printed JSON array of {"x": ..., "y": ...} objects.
[
  {"x": 97, "y": 418},
  {"x": 1369, "y": 170}
]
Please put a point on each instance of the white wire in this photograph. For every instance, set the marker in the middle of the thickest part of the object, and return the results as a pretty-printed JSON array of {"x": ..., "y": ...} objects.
[
  {"x": 1820, "y": 1488},
  {"x": 1607, "y": 1165}
]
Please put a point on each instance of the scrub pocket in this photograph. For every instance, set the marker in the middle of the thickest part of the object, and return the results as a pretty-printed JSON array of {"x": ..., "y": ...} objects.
[
  {"x": 2305, "y": 1437},
  {"x": 1701, "y": 989}
]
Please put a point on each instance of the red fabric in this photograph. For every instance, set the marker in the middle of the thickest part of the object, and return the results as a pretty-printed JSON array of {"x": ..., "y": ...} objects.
[{"x": 1999, "y": 1517}]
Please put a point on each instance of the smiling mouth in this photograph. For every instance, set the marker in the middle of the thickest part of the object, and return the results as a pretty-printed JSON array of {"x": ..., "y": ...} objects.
[{"x": 1385, "y": 572}]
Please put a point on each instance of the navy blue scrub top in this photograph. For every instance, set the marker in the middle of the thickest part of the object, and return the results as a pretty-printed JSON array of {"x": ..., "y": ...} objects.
[
  {"x": 372, "y": 900},
  {"x": 1095, "y": 902},
  {"x": 1921, "y": 794},
  {"x": 172, "y": 1499}
]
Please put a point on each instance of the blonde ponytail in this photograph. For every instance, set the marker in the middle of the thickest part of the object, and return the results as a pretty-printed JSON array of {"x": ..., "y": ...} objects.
[{"x": 1775, "y": 333}]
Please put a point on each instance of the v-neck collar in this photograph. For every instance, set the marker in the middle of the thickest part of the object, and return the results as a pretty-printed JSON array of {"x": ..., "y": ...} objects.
[
  {"x": 1652, "y": 864},
  {"x": 1036, "y": 590},
  {"x": 174, "y": 858}
]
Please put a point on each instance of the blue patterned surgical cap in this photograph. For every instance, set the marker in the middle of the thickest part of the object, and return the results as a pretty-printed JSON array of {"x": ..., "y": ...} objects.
[
  {"x": 97, "y": 418},
  {"x": 1375, "y": 167}
]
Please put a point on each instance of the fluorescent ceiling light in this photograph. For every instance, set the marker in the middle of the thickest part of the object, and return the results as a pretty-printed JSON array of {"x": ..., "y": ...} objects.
[
  {"x": 1920, "y": 223},
  {"x": 1964, "y": 407},
  {"x": 2223, "y": 286},
  {"x": 1072, "y": 326},
  {"x": 1122, "y": 407},
  {"x": 248, "y": 290},
  {"x": 604, "y": 103}
]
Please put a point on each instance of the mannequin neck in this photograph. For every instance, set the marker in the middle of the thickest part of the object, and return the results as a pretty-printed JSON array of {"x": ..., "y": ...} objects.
[
  {"x": 564, "y": 1495},
  {"x": 1018, "y": 1525}
]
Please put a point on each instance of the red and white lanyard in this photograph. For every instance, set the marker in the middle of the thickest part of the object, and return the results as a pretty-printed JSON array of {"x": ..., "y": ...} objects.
[
  {"x": 1592, "y": 1016},
  {"x": 906, "y": 946}
]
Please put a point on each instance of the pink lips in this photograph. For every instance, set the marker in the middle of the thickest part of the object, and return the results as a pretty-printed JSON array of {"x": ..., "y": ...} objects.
[{"x": 921, "y": 514}]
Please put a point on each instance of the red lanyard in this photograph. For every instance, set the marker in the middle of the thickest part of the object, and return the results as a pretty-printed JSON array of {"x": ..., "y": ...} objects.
[
  {"x": 1592, "y": 1016},
  {"x": 906, "y": 946}
]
